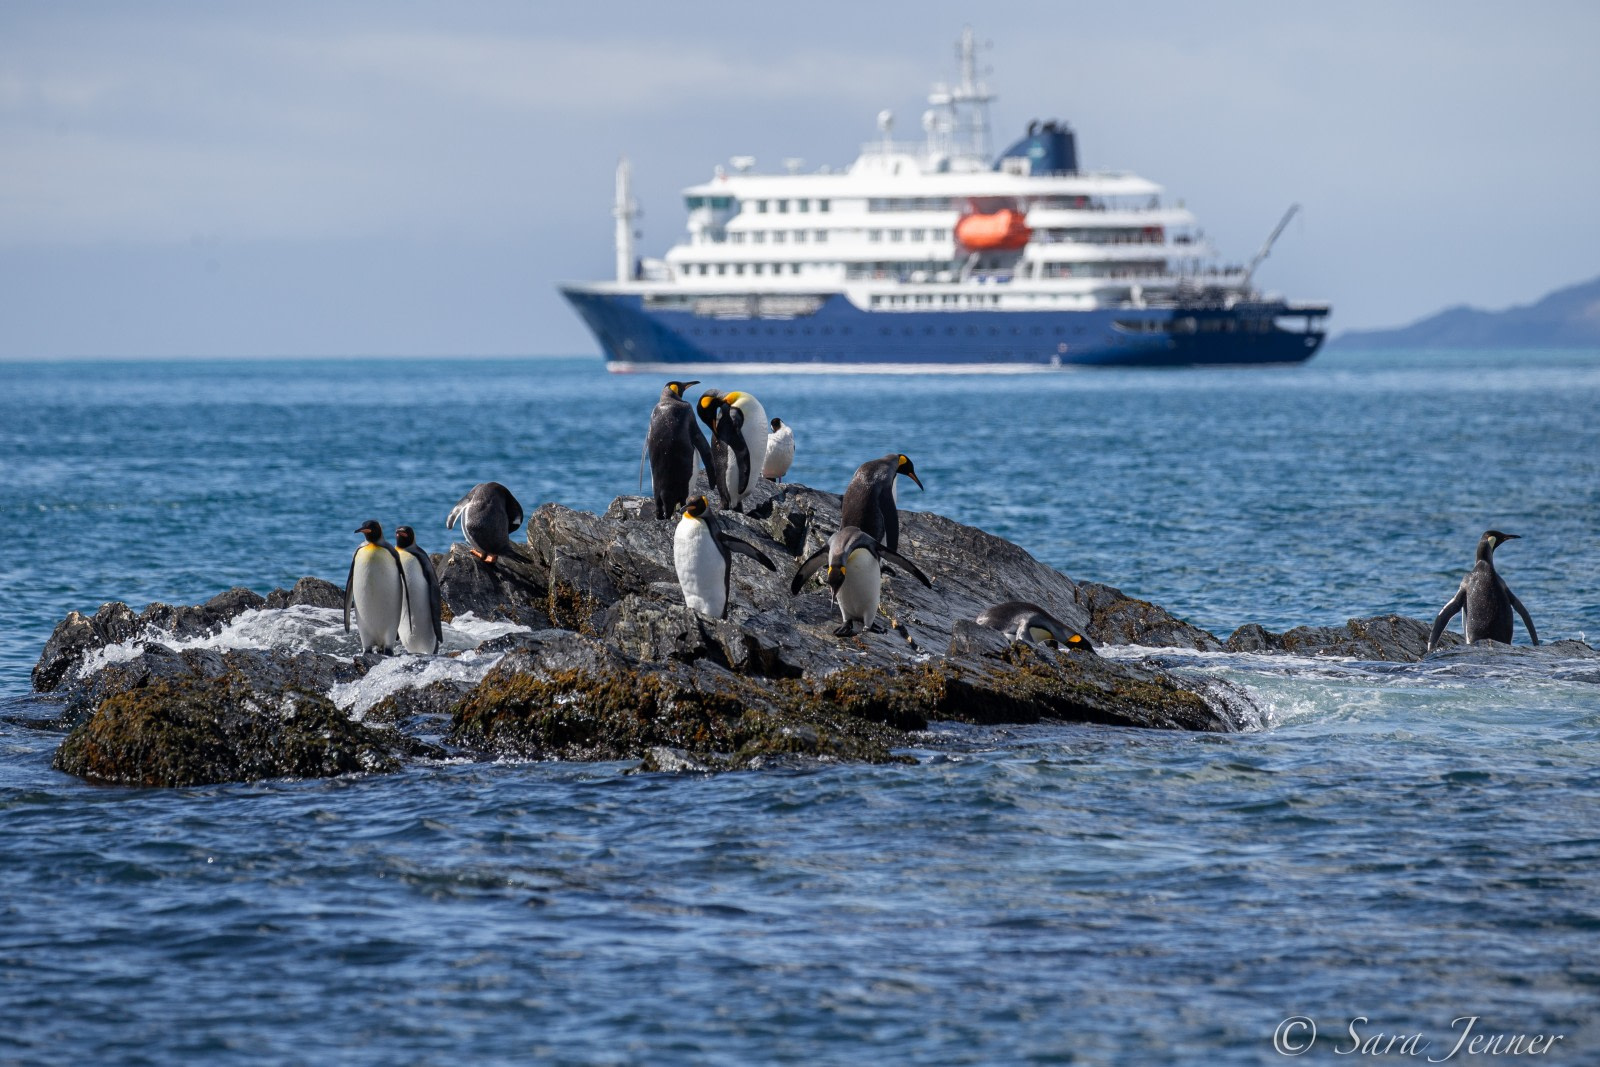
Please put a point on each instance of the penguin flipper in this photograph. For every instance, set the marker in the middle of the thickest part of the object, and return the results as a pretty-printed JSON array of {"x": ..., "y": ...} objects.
[
  {"x": 891, "y": 523},
  {"x": 513, "y": 511},
  {"x": 458, "y": 513},
  {"x": 702, "y": 447},
  {"x": 812, "y": 564},
  {"x": 733, "y": 544},
  {"x": 349, "y": 590},
  {"x": 1532, "y": 633},
  {"x": 1447, "y": 613},
  {"x": 915, "y": 572},
  {"x": 405, "y": 591}
]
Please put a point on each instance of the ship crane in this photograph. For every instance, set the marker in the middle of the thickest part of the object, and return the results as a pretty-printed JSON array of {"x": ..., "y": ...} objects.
[{"x": 1266, "y": 249}]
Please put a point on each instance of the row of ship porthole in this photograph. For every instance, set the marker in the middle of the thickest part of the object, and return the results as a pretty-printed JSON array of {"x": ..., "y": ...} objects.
[{"x": 886, "y": 331}]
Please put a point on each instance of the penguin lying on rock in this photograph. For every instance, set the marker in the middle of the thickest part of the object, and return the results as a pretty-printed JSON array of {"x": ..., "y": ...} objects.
[
  {"x": 855, "y": 571},
  {"x": 1484, "y": 600},
  {"x": 1027, "y": 622}
]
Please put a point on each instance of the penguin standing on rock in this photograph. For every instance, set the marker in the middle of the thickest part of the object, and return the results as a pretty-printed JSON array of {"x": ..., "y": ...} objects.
[
  {"x": 739, "y": 425},
  {"x": 702, "y": 552},
  {"x": 674, "y": 439},
  {"x": 780, "y": 451},
  {"x": 421, "y": 634},
  {"x": 1484, "y": 600},
  {"x": 376, "y": 585},
  {"x": 1021, "y": 620},
  {"x": 855, "y": 570},
  {"x": 871, "y": 498},
  {"x": 488, "y": 516}
]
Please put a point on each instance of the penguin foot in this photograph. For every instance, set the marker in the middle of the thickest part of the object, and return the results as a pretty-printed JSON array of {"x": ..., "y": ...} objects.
[
  {"x": 847, "y": 630},
  {"x": 876, "y": 628}
]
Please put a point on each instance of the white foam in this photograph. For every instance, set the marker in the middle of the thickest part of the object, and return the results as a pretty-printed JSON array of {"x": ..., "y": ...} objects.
[{"x": 409, "y": 672}]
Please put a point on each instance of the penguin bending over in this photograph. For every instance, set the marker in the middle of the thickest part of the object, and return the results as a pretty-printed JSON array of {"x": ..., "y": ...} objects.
[
  {"x": 871, "y": 499},
  {"x": 738, "y": 423},
  {"x": 702, "y": 552},
  {"x": 420, "y": 634},
  {"x": 376, "y": 585},
  {"x": 1027, "y": 622},
  {"x": 488, "y": 515},
  {"x": 1484, "y": 600},
  {"x": 674, "y": 439},
  {"x": 855, "y": 570},
  {"x": 780, "y": 451}
]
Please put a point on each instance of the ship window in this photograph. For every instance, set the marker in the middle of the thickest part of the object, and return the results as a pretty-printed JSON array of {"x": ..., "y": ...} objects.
[
  {"x": 794, "y": 268},
  {"x": 822, "y": 205},
  {"x": 822, "y": 237},
  {"x": 783, "y": 207},
  {"x": 874, "y": 235},
  {"x": 692, "y": 202},
  {"x": 736, "y": 237},
  {"x": 802, "y": 206},
  {"x": 722, "y": 268},
  {"x": 778, "y": 237},
  {"x": 917, "y": 235},
  {"x": 897, "y": 235},
  {"x": 800, "y": 236},
  {"x": 758, "y": 236},
  {"x": 761, "y": 207},
  {"x": 738, "y": 268}
]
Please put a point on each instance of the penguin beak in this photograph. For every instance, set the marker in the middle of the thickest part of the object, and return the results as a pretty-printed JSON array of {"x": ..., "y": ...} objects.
[
  {"x": 913, "y": 476},
  {"x": 1509, "y": 537}
]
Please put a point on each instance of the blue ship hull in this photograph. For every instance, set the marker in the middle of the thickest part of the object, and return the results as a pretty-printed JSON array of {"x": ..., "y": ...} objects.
[{"x": 840, "y": 334}]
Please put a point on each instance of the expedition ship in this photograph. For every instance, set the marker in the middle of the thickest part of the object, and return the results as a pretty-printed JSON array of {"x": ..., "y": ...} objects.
[{"x": 934, "y": 255}]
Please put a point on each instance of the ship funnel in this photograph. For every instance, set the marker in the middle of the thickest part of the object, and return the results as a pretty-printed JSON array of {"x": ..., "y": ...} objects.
[{"x": 1050, "y": 148}]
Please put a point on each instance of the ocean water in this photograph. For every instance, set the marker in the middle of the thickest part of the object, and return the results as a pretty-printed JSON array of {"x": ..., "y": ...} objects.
[{"x": 1402, "y": 852}]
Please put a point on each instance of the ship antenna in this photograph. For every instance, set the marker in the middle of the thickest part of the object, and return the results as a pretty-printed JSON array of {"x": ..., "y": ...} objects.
[
  {"x": 626, "y": 210},
  {"x": 972, "y": 91},
  {"x": 1266, "y": 249}
]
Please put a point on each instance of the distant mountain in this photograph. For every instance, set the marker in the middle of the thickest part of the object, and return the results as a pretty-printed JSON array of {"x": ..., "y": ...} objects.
[{"x": 1567, "y": 318}]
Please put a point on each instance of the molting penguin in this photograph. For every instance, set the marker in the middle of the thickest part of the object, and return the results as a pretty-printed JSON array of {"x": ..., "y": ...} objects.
[
  {"x": 421, "y": 633},
  {"x": 870, "y": 500},
  {"x": 488, "y": 515},
  {"x": 780, "y": 451},
  {"x": 674, "y": 439},
  {"x": 703, "y": 555},
  {"x": 855, "y": 569},
  {"x": 377, "y": 587},
  {"x": 1027, "y": 622},
  {"x": 1484, "y": 600}
]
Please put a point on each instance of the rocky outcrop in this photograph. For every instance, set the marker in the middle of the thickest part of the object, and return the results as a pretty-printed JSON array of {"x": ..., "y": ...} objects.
[
  {"x": 614, "y": 666},
  {"x": 202, "y": 730},
  {"x": 1383, "y": 638}
]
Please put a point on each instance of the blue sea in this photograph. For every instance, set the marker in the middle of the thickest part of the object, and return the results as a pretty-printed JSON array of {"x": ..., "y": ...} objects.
[{"x": 1404, "y": 853}]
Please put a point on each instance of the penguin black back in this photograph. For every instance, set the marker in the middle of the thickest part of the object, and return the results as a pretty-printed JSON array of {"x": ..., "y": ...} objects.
[
  {"x": 1484, "y": 599},
  {"x": 869, "y": 498},
  {"x": 488, "y": 515},
  {"x": 673, "y": 441}
]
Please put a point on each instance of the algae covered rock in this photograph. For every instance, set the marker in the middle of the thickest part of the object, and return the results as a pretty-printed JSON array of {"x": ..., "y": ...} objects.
[
  {"x": 1382, "y": 638},
  {"x": 199, "y": 731}
]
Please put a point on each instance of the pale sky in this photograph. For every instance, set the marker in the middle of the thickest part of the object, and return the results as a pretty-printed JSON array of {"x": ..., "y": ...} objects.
[{"x": 352, "y": 178}]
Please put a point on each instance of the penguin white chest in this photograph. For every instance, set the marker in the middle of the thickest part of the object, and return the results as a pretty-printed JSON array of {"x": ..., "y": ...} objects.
[
  {"x": 755, "y": 432},
  {"x": 378, "y": 597},
  {"x": 702, "y": 572},
  {"x": 780, "y": 454},
  {"x": 416, "y": 628},
  {"x": 858, "y": 595}
]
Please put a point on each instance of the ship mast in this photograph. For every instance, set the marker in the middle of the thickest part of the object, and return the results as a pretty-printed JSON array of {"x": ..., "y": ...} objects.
[
  {"x": 972, "y": 91},
  {"x": 626, "y": 210}
]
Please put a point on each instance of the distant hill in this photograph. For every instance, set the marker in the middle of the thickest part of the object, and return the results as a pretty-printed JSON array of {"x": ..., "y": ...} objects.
[{"x": 1567, "y": 318}]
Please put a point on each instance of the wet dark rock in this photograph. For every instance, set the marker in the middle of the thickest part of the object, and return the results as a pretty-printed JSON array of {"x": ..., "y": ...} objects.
[
  {"x": 1114, "y": 618},
  {"x": 199, "y": 731},
  {"x": 1387, "y": 638},
  {"x": 312, "y": 592},
  {"x": 512, "y": 588},
  {"x": 78, "y": 635}
]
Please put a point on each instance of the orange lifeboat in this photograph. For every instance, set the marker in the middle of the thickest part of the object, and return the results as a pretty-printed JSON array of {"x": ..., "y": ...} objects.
[{"x": 1004, "y": 230}]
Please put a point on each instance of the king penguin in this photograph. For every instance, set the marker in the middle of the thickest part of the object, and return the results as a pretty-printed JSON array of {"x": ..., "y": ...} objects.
[
  {"x": 674, "y": 439},
  {"x": 488, "y": 516},
  {"x": 377, "y": 587},
  {"x": 780, "y": 451},
  {"x": 1484, "y": 600},
  {"x": 871, "y": 498},
  {"x": 703, "y": 554},
  {"x": 855, "y": 571},
  {"x": 420, "y": 633},
  {"x": 730, "y": 461},
  {"x": 1021, "y": 620}
]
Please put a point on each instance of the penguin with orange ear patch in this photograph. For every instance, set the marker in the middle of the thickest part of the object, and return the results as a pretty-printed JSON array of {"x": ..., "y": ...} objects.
[{"x": 1031, "y": 624}]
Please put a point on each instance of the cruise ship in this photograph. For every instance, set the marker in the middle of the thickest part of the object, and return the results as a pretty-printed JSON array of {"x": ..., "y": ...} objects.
[{"x": 938, "y": 255}]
